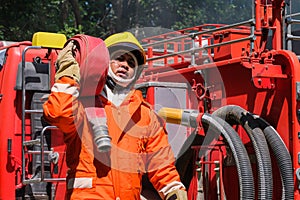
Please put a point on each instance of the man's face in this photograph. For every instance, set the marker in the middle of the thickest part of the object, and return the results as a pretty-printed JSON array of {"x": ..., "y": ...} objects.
[{"x": 123, "y": 66}]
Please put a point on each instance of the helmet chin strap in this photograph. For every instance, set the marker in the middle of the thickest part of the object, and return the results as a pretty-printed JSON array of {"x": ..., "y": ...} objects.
[
  {"x": 111, "y": 84},
  {"x": 120, "y": 81}
]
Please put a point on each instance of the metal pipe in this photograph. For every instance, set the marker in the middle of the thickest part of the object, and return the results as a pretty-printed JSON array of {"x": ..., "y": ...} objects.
[
  {"x": 38, "y": 152},
  {"x": 200, "y": 33},
  {"x": 293, "y": 21},
  {"x": 284, "y": 29},
  {"x": 293, "y": 15},
  {"x": 288, "y": 33},
  {"x": 251, "y": 37},
  {"x": 33, "y": 111},
  {"x": 252, "y": 40},
  {"x": 193, "y": 52},
  {"x": 27, "y": 181},
  {"x": 292, "y": 37},
  {"x": 43, "y": 148},
  {"x": 23, "y": 106},
  {"x": 257, "y": 15}
]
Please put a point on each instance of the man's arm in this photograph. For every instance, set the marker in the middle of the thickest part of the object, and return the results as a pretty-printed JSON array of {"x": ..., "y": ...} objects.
[
  {"x": 62, "y": 104},
  {"x": 160, "y": 163}
]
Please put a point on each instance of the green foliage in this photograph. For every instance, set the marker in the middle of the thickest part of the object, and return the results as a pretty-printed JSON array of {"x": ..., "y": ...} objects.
[
  {"x": 213, "y": 12},
  {"x": 20, "y": 19},
  {"x": 94, "y": 17},
  {"x": 71, "y": 31}
]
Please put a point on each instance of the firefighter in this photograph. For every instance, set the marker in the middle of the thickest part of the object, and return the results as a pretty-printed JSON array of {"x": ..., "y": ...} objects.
[
  {"x": 138, "y": 141},
  {"x": 145, "y": 135}
]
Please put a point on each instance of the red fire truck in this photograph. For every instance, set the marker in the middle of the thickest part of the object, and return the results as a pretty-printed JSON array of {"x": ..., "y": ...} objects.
[{"x": 230, "y": 95}]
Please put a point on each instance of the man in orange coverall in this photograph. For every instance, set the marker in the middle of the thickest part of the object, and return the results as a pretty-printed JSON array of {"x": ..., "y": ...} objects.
[{"x": 139, "y": 143}]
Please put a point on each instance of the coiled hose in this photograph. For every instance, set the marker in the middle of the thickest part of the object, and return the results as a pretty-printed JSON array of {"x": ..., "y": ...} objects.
[
  {"x": 236, "y": 114},
  {"x": 245, "y": 176},
  {"x": 214, "y": 127},
  {"x": 283, "y": 158}
]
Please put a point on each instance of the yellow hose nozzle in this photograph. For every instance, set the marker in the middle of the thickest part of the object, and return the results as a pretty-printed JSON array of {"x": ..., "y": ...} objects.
[
  {"x": 171, "y": 115},
  {"x": 179, "y": 116}
]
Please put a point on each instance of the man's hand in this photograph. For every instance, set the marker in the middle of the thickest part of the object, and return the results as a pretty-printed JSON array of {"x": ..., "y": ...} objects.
[
  {"x": 67, "y": 64},
  {"x": 177, "y": 195}
]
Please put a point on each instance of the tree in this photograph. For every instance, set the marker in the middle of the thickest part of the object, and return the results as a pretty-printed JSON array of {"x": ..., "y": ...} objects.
[
  {"x": 19, "y": 20},
  {"x": 100, "y": 18}
]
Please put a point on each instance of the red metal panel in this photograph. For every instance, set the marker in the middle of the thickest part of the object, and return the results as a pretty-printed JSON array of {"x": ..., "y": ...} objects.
[
  {"x": 10, "y": 123},
  {"x": 10, "y": 162},
  {"x": 231, "y": 50}
]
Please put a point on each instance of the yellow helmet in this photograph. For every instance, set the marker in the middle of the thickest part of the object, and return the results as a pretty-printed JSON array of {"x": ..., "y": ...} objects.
[{"x": 126, "y": 41}]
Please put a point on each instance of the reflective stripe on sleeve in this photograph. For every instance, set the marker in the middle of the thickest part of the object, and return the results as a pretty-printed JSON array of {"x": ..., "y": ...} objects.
[
  {"x": 65, "y": 88},
  {"x": 80, "y": 183}
]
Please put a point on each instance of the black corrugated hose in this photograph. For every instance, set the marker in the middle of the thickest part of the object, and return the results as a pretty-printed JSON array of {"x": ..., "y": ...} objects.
[
  {"x": 235, "y": 114},
  {"x": 215, "y": 126},
  {"x": 283, "y": 158}
]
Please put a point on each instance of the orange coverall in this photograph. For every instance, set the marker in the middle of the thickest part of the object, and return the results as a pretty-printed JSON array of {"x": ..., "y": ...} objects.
[{"x": 139, "y": 145}]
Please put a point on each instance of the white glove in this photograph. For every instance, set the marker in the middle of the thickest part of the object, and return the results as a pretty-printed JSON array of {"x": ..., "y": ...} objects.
[{"x": 177, "y": 195}]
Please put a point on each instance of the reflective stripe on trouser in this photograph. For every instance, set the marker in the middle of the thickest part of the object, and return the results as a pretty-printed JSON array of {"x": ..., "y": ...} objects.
[{"x": 80, "y": 183}]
